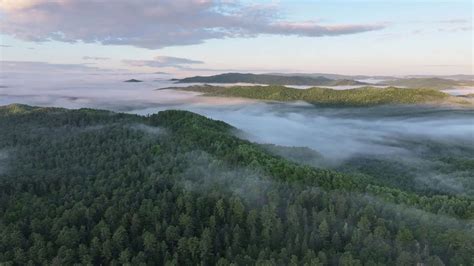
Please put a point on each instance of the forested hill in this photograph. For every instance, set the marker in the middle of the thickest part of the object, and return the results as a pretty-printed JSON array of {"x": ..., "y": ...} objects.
[
  {"x": 175, "y": 188},
  {"x": 272, "y": 79},
  {"x": 365, "y": 96}
]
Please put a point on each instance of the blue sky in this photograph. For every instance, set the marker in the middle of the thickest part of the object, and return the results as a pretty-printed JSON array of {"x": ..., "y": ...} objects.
[{"x": 348, "y": 37}]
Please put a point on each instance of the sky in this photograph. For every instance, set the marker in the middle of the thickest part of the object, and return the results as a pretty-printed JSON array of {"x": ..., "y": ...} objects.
[{"x": 196, "y": 37}]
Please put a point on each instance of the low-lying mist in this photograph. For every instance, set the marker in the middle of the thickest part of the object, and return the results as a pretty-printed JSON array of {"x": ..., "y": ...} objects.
[
  {"x": 419, "y": 141},
  {"x": 339, "y": 133},
  {"x": 95, "y": 91},
  {"x": 411, "y": 140}
]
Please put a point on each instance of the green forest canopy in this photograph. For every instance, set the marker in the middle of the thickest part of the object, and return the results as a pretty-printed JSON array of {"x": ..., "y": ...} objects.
[
  {"x": 176, "y": 188},
  {"x": 365, "y": 96}
]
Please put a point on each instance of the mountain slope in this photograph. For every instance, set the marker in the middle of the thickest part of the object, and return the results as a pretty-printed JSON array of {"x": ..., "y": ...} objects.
[
  {"x": 366, "y": 96},
  {"x": 97, "y": 187}
]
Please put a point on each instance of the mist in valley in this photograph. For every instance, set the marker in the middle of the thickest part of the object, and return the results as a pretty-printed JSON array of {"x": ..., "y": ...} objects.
[{"x": 412, "y": 140}]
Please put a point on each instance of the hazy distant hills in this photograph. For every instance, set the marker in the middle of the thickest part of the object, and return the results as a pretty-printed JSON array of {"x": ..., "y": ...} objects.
[
  {"x": 455, "y": 77},
  {"x": 272, "y": 79},
  {"x": 431, "y": 82},
  {"x": 334, "y": 76},
  {"x": 133, "y": 80},
  {"x": 324, "y": 79},
  {"x": 459, "y": 77}
]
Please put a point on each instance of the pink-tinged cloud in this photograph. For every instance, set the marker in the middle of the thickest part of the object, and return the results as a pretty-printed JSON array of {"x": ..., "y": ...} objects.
[
  {"x": 162, "y": 61},
  {"x": 314, "y": 30},
  {"x": 152, "y": 24}
]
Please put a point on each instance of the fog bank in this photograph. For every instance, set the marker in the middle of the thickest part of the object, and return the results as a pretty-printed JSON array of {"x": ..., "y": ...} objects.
[
  {"x": 412, "y": 138},
  {"x": 405, "y": 134}
]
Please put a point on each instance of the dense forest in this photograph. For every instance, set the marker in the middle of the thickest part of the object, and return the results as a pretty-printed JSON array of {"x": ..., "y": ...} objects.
[
  {"x": 176, "y": 188},
  {"x": 365, "y": 96},
  {"x": 273, "y": 79}
]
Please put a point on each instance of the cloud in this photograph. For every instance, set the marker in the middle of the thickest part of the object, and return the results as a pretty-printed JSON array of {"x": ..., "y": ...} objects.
[
  {"x": 455, "y": 29},
  {"x": 447, "y": 65},
  {"x": 203, "y": 172},
  {"x": 184, "y": 64},
  {"x": 95, "y": 58},
  {"x": 48, "y": 68},
  {"x": 5, "y": 45},
  {"x": 455, "y": 25},
  {"x": 454, "y": 21},
  {"x": 312, "y": 29},
  {"x": 163, "y": 61},
  {"x": 153, "y": 24}
]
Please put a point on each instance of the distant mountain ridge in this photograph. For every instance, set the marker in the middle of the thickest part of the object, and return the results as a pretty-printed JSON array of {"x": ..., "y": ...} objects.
[
  {"x": 272, "y": 79},
  {"x": 455, "y": 77},
  {"x": 334, "y": 76},
  {"x": 459, "y": 77},
  {"x": 428, "y": 82}
]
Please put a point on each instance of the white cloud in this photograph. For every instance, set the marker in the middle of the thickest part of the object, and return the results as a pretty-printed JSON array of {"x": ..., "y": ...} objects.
[
  {"x": 454, "y": 21},
  {"x": 163, "y": 61},
  {"x": 152, "y": 24},
  {"x": 48, "y": 68},
  {"x": 95, "y": 58},
  {"x": 455, "y": 29}
]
